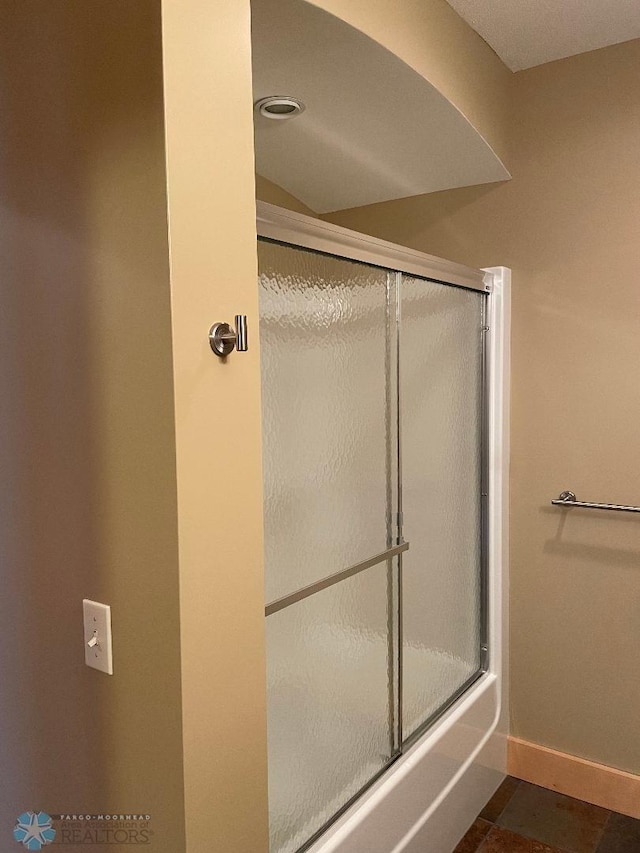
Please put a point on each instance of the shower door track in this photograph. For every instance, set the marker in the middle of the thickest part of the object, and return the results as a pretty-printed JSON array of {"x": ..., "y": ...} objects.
[{"x": 294, "y": 229}]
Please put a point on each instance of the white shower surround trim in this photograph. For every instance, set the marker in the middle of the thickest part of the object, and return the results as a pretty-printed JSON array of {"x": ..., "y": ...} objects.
[{"x": 428, "y": 798}]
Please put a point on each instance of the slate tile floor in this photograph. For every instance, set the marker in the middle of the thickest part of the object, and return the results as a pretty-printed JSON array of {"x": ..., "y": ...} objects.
[{"x": 523, "y": 818}]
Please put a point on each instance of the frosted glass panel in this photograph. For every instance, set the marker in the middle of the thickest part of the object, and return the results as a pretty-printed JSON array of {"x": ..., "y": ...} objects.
[
  {"x": 328, "y": 333},
  {"x": 441, "y": 387},
  {"x": 325, "y": 366},
  {"x": 329, "y": 712}
]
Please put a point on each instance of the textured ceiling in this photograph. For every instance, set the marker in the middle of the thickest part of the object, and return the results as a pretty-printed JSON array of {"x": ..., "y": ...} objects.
[{"x": 525, "y": 33}]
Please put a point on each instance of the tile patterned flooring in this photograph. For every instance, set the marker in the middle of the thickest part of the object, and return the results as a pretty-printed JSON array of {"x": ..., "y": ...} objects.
[{"x": 523, "y": 818}]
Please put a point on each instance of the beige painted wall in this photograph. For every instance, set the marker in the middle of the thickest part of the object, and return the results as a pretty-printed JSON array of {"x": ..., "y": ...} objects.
[
  {"x": 87, "y": 504},
  {"x": 218, "y": 438},
  {"x": 568, "y": 225},
  {"x": 274, "y": 194}
]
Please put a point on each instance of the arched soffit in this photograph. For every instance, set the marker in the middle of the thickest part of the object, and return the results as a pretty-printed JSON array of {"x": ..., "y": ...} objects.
[
  {"x": 437, "y": 43},
  {"x": 374, "y": 128}
]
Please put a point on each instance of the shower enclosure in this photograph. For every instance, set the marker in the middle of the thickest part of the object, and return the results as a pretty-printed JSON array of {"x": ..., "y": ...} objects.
[{"x": 376, "y": 482}]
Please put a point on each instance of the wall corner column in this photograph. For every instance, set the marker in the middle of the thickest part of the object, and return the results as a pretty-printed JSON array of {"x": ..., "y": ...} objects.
[{"x": 210, "y": 175}]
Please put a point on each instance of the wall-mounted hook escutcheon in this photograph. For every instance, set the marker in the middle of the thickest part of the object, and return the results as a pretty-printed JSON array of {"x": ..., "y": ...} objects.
[{"x": 223, "y": 338}]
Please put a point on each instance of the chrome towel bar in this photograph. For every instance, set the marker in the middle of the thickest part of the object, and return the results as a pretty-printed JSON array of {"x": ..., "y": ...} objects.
[
  {"x": 330, "y": 580},
  {"x": 569, "y": 499}
]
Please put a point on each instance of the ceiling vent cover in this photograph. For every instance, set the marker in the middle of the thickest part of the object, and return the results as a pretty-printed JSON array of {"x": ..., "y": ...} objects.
[{"x": 279, "y": 107}]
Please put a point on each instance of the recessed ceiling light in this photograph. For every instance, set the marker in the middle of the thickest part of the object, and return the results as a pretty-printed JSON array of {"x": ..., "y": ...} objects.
[{"x": 279, "y": 107}]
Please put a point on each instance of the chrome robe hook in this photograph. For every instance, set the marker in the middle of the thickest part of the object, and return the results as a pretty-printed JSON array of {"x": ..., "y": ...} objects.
[{"x": 223, "y": 338}]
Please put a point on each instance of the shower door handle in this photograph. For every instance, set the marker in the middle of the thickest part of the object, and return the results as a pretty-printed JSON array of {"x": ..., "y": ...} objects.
[{"x": 223, "y": 338}]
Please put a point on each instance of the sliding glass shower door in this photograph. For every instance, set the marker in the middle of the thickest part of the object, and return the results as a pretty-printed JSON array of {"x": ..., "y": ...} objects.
[
  {"x": 329, "y": 479},
  {"x": 363, "y": 367},
  {"x": 441, "y": 357}
]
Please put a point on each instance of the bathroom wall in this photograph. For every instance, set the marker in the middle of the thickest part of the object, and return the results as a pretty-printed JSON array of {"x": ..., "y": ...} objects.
[
  {"x": 568, "y": 226},
  {"x": 272, "y": 193},
  {"x": 210, "y": 164},
  {"x": 87, "y": 458}
]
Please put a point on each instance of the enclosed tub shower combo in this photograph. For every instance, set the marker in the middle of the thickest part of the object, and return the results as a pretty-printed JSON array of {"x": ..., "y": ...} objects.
[{"x": 383, "y": 431}]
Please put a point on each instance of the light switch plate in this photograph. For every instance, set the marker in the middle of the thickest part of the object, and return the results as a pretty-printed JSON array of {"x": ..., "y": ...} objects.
[{"x": 97, "y": 636}]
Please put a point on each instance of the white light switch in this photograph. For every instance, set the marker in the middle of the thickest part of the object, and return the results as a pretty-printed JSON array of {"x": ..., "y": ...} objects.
[{"x": 97, "y": 636}]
